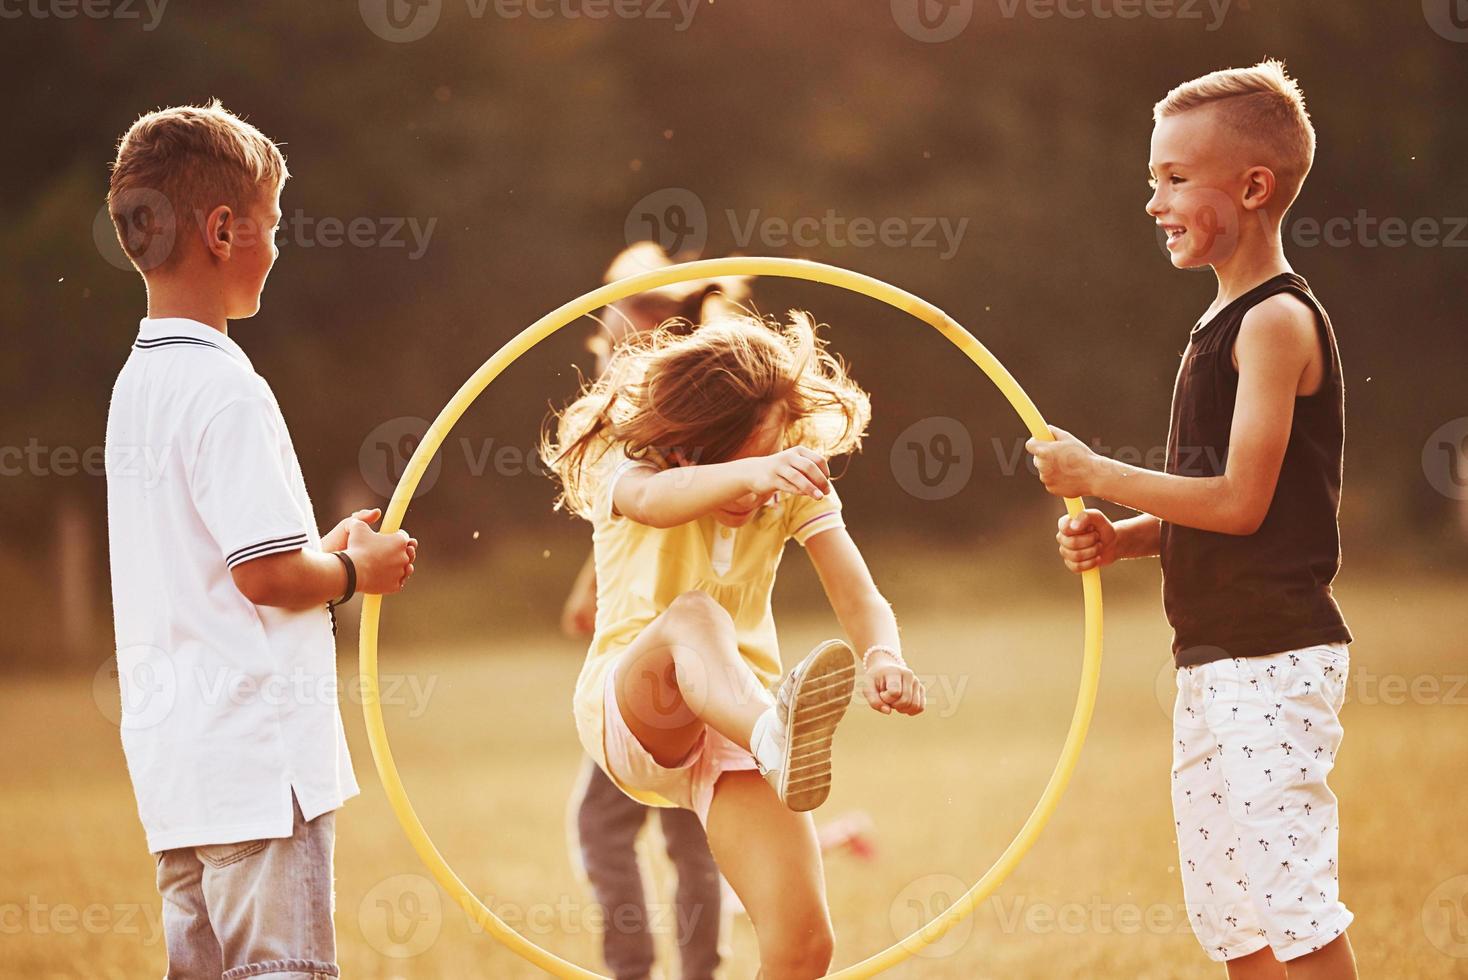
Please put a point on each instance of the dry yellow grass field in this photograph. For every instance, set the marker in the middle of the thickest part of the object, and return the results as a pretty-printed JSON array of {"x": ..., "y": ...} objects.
[{"x": 483, "y": 735}]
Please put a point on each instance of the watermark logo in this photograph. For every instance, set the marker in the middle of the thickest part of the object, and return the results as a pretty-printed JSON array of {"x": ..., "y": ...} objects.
[
  {"x": 1012, "y": 459},
  {"x": 1165, "y": 686},
  {"x": 920, "y": 904},
  {"x": 1174, "y": 695},
  {"x": 932, "y": 21},
  {"x": 835, "y": 230},
  {"x": 665, "y": 695},
  {"x": 143, "y": 924},
  {"x": 1209, "y": 228},
  {"x": 400, "y": 21},
  {"x": 90, "y": 9},
  {"x": 1099, "y": 917},
  {"x": 1365, "y": 230},
  {"x": 146, "y": 464},
  {"x": 677, "y": 219},
  {"x": 679, "y": 12},
  {"x": 674, "y": 217},
  {"x": 1212, "y": 233},
  {"x": 933, "y": 459},
  {"x": 1447, "y": 18},
  {"x": 308, "y": 231},
  {"x": 1209, "y": 13},
  {"x": 147, "y": 225},
  {"x": 137, "y": 688},
  {"x": 403, "y": 21},
  {"x": 935, "y": 21},
  {"x": 568, "y": 915},
  {"x": 1445, "y": 459},
  {"x": 402, "y": 916},
  {"x": 1218, "y": 687},
  {"x": 944, "y": 692},
  {"x": 150, "y": 226},
  {"x": 1445, "y": 917},
  {"x": 384, "y": 454}
]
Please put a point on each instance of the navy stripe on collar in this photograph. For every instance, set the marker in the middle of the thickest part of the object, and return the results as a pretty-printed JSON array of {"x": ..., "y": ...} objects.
[{"x": 156, "y": 342}]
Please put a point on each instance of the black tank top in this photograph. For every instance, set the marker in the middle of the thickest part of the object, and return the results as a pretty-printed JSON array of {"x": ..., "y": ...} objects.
[{"x": 1270, "y": 591}]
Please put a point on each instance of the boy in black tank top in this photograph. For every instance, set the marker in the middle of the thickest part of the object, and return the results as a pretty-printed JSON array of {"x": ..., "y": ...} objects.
[{"x": 1244, "y": 519}]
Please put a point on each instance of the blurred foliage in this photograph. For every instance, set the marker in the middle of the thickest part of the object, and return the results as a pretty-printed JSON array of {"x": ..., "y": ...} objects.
[{"x": 526, "y": 141}]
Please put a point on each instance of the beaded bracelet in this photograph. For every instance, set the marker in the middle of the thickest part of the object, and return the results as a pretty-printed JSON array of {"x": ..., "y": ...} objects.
[{"x": 881, "y": 648}]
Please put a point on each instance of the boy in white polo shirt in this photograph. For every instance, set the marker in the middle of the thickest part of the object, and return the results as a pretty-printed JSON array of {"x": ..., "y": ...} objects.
[{"x": 221, "y": 584}]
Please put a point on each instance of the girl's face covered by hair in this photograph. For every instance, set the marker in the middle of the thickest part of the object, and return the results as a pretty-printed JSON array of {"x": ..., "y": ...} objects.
[
  {"x": 733, "y": 387},
  {"x": 767, "y": 439}
]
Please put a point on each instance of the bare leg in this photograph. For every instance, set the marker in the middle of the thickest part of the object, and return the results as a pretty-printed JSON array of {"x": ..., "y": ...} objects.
[
  {"x": 772, "y": 858},
  {"x": 1256, "y": 966},
  {"x": 684, "y": 672},
  {"x": 1333, "y": 961}
]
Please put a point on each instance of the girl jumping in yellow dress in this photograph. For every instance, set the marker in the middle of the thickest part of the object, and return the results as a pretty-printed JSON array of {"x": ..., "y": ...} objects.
[{"x": 695, "y": 456}]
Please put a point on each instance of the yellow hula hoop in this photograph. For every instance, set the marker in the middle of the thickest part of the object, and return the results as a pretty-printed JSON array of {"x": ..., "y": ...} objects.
[{"x": 569, "y": 313}]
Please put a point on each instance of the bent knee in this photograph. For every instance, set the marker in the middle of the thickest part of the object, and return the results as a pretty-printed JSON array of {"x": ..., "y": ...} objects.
[
  {"x": 695, "y": 600},
  {"x": 799, "y": 952},
  {"x": 696, "y": 608}
]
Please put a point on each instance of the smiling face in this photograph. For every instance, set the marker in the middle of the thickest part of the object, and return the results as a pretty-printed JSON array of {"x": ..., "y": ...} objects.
[{"x": 1201, "y": 187}]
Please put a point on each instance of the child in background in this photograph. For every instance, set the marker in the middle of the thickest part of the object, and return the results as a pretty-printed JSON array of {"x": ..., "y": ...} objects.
[
  {"x": 696, "y": 457},
  {"x": 680, "y": 306},
  {"x": 220, "y": 581},
  {"x": 608, "y": 821},
  {"x": 1245, "y": 522}
]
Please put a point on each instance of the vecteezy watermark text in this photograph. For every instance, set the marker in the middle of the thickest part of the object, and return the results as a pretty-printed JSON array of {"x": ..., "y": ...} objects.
[
  {"x": 404, "y": 21},
  {"x": 677, "y": 219},
  {"x": 36, "y": 458},
  {"x": 935, "y": 21},
  {"x": 88, "y": 9},
  {"x": 38, "y": 917},
  {"x": 151, "y": 228}
]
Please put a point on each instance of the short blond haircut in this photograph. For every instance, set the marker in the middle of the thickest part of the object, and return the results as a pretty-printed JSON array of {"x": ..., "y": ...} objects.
[
  {"x": 195, "y": 158},
  {"x": 1264, "y": 107}
]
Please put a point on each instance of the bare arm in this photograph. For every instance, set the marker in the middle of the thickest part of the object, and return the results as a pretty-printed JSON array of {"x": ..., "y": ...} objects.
[
  {"x": 1279, "y": 358},
  {"x": 867, "y": 618},
  {"x": 306, "y": 578},
  {"x": 1139, "y": 537},
  {"x": 291, "y": 580},
  {"x": 685, "y": 493},
  {"x": 578, "y": 613},
  {"x": 1092, "y": 541}
]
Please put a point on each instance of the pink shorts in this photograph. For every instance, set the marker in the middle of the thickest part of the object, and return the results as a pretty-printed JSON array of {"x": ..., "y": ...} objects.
[{"x": 690, "y": 784}]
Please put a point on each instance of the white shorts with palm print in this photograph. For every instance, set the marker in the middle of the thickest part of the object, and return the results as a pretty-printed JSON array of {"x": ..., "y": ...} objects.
[{"x": 1257, "y": 826}]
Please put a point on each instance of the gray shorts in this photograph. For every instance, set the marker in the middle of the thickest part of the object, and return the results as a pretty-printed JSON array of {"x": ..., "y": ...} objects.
[{"x": 260, "y": 908}]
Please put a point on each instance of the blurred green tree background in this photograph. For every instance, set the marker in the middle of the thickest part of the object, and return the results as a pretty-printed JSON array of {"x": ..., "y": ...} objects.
[{"x": 493, "y": 167}]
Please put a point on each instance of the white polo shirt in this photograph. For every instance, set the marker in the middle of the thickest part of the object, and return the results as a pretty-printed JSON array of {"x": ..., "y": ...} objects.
[{"x": 227, "y": 707}]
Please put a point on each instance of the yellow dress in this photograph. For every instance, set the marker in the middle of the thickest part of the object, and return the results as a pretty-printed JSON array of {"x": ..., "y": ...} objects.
[{"x": 641, "y": 569}]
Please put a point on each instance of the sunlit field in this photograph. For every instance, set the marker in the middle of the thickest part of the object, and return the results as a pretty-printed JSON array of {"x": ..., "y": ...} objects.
[{"x": 482, "y": 732}]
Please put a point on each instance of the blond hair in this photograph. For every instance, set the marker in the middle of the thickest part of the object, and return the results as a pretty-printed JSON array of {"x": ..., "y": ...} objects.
[
  {"x": 179, "y": 164},
  {"x": 699, "y": 394},
  {"x": 1264, "y": 107},
  {"x": 689, "y": 302}
]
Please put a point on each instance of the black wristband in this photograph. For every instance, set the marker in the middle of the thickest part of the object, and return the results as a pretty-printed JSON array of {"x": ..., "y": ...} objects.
[{"x": 351, "y": 568}]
